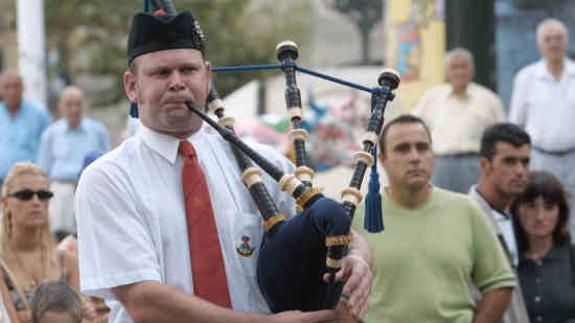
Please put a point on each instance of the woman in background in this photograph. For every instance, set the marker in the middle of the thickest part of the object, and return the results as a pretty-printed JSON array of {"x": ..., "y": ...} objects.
[
  {"x": 547, "y": 259},
  {"x": 29, "y": 254}
]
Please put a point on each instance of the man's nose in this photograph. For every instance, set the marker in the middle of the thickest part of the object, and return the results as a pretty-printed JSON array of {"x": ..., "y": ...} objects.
[
  {"x": 176, "y": 81},
  {"x": 521, "y": 169},
  {"x": 413, "y": 155}
]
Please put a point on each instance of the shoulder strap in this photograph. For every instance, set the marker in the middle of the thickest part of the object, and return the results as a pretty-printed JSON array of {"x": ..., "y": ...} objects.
[
  {"x": 9, "y": 275},
  {"x": 64, "y": 269}
]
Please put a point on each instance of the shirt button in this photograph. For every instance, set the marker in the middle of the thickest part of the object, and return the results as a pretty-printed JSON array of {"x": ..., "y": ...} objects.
[
  {"x": 539, "y": 263},
  {"x": 537, "y": 299},
  {"x": 539, "y": 318}
]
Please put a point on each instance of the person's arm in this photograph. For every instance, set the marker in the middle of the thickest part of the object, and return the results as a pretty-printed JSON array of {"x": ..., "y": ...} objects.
[
  {"x": 71, "y": 263},
  {"x": 493, "y": 304},
  {"x": 44, "y": 156},
  {"x": 7, "y": 303},
  {"x": 519, "y": 105},
  {"x": 151, "y": 301},
  {"x": 498, "y": 110}
]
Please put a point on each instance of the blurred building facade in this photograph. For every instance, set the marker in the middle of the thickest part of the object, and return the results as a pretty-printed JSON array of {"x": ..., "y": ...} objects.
[{"x": 8, "y": 43}]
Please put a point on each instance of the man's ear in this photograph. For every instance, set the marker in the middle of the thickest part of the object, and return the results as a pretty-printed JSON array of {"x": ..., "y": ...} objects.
[
  {"x": 484, "y": 165},
  {"x": 382, "y": 157},
  {"x": 209, "y": 75},
  {"x": 130, "y": 86}
]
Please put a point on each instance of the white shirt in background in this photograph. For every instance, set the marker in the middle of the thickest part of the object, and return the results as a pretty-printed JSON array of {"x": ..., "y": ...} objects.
[
  {"x": 456, "y": 123},
  {"x": 544, "y": 106}
]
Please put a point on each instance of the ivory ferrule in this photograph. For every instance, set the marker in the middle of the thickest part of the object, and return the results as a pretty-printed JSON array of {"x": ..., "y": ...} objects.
[
  {"x": 297, "y": 134},
  {"x": 214, "y": 105},
  {"x": 352, "y": 195},
  {"x": 371, "y": 137},
  {"x": 295, "y": 112},
  {"x": 362, "y": 156},
  {"x": 251, "y": 176},
  {"x": 304, "y": 173},
  {"x": 226, "y": 122},
  {"x": 289, "y": 183}
]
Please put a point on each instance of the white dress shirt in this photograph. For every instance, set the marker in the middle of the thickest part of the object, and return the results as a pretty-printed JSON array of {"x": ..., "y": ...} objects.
[
  {"x": 132, "y": 224},
  {"x": 506, "y": 228},
  {"x": 457, "y": 123},
  {"x": 545, "y": 107}
]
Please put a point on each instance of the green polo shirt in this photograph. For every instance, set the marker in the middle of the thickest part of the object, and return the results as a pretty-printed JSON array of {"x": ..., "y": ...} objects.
[{"x": 426, "y": 258}]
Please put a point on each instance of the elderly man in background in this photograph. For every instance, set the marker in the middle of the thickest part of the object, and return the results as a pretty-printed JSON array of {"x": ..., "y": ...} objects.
[
  {"x": 543, "y": 103},
  {"x": 21, "y": 124},
  {"x": 457, "y": 113},
  {"x": 65, "y": 147}
]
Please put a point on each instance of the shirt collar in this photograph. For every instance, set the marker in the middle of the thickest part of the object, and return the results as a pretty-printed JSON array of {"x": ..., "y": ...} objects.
[
  {"x": 166, "y": 145},
  {"x": 542, "y": 72},
  {"x": 465, "y": 93},
  {"x": 476, "y": 192},
  {"x": 81, "y": 126},
  {"x": 556, "y": 253}
]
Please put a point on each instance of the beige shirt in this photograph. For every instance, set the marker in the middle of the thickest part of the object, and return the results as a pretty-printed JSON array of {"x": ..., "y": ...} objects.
[{"x": 457, "y": 123}]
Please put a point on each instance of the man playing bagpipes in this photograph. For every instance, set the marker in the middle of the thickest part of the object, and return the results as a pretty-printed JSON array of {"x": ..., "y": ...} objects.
[{"x": 167, "y": 231}]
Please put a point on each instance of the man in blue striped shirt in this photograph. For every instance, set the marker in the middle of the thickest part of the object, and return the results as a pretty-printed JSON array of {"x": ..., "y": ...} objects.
[{"x": 66, "y": 146}]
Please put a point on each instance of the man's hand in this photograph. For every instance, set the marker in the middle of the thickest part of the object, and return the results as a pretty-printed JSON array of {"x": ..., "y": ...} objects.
[{"x": 356, "y": 274}]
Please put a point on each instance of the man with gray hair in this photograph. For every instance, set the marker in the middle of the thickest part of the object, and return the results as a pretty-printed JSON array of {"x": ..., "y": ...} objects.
[
  {"x": 457, "y": 112},
  {"x": 543, "y": 104},
  {"x": 66, "y": 147},
  {"x": 21, "y": 123}
]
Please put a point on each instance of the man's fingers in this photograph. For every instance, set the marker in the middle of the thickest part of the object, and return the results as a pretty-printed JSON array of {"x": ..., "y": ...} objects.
[
  {"x": 352, "y": 283},
  {"x": 361, "y": 293},
  {"x": 362, "y": 309}
]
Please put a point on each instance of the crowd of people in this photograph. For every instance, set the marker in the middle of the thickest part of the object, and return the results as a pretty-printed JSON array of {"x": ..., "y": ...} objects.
[{"x": 477, "y": 210}]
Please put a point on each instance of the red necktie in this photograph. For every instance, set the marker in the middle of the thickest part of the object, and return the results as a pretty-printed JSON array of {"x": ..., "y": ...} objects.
[{"x": 208, "y": 271}]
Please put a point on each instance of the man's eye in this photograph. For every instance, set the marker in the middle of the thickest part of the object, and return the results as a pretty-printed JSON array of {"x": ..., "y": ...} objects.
[
  {"x": 402, "y": 148},
  {"x": 422, "y": 147},
  {"x": 509, "y": 161}
]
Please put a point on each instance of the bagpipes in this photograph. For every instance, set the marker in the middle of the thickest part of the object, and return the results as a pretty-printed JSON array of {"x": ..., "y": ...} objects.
[{"x": 297, "y": 252}]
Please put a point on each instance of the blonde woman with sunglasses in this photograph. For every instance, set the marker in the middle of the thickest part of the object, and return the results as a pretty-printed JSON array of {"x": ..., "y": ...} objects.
[{"x": 29, "y": 254}]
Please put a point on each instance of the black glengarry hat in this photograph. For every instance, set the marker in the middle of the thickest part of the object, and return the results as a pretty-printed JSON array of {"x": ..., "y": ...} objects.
[{"x": 153, "y": 32}]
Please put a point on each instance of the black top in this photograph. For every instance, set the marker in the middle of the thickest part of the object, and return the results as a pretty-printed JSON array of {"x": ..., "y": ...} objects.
[{"x": 549, "y": 285}]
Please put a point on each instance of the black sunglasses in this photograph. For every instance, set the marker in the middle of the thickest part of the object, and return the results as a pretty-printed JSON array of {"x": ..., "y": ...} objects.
[{"x": 26, "y": 195}]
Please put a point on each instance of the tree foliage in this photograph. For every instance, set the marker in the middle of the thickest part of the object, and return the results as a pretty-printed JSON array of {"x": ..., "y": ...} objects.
[
  {"x": 365, "y": 14},
  {"x": 88, "y": 37}
]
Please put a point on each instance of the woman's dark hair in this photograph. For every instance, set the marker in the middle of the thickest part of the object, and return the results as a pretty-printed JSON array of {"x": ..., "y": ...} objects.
[
  {"x": 546, "y": 185},
  {"x": 56, "y": 297}
]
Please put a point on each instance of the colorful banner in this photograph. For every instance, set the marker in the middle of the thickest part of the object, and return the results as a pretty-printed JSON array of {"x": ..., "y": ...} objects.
[{"x": 415, "y": 47}]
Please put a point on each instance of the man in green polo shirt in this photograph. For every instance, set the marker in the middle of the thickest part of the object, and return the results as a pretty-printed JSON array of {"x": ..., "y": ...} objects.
[{"x": 435, "y": 245}]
